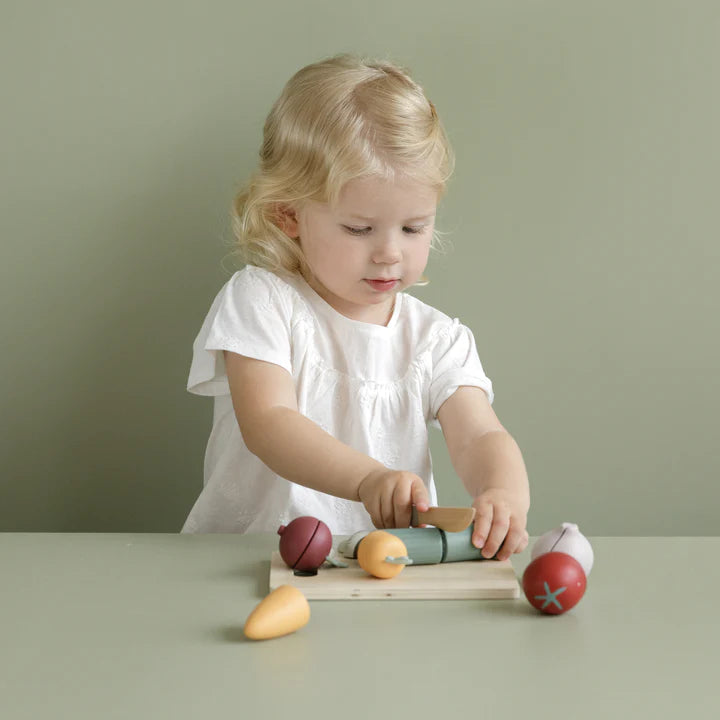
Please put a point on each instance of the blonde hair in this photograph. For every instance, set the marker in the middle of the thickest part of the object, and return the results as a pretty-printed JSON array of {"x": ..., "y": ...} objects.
[{"x": 336, "y": 120}]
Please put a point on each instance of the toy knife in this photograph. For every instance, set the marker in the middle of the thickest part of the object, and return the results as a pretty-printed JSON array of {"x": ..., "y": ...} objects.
[{"x": 450, "y": 519}]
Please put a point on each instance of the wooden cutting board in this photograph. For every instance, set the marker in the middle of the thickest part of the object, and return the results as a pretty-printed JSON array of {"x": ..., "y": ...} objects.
[{"x": 472, "y": 580}]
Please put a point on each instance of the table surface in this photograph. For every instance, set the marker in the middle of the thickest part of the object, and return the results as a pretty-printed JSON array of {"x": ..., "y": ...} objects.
[{"x": 108, "y": 626}]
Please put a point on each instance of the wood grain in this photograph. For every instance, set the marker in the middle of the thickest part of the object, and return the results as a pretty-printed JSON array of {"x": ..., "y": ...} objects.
[
  {"x": 452, "y": 519},
  {"x": 475, "y": 579}
]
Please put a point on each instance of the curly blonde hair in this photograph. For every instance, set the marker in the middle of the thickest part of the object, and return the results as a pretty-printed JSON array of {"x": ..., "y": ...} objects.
[{"x": 336, "y": 120}]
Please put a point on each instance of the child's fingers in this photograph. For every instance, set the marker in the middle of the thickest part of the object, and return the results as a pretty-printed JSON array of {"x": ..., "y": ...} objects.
[
  {"x": 375, "y": 513},
  {"x": 483, "y": 523},
  {"x": 522, "y": 542},
  {"x": 420, "y": 496},
  {"x": 525, "y": 542},
  {"x": 512, "y": 542},
  {"x": 402, "y": 500},
  {"x": 387, "y": 507},
  {"x": 377, "y": 507},
  {"x": 498, "y": 531},
  {"x": 375, "y": 516}
]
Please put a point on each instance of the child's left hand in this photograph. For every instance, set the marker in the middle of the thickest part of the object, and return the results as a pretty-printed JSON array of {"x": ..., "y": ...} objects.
[{"x": 500, "y": 520}]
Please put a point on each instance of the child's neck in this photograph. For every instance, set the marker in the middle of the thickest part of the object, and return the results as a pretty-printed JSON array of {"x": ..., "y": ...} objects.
[{"x": 379, "y": 314}]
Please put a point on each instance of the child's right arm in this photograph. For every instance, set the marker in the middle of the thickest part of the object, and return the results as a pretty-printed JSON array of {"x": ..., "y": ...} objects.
[{"x": 296, "y": 448}]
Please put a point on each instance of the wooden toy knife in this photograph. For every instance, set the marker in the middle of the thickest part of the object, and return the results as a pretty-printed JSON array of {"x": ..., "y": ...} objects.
[{"x": 450, "y": 519}]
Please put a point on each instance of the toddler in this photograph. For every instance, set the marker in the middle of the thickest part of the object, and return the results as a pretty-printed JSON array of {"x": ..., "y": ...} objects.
[{"x": 325, "y": 374}]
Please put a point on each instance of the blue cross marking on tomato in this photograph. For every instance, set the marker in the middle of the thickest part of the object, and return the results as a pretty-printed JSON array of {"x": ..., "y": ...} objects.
[{"x": 550, "y": 597}]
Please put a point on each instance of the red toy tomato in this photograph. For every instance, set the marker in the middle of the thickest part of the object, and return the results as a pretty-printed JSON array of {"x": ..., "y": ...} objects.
[{"x": 554, "y": 582}]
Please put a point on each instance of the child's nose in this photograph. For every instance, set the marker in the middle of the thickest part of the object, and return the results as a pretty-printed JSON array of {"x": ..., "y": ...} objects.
[{"x": 387, "y": 251}]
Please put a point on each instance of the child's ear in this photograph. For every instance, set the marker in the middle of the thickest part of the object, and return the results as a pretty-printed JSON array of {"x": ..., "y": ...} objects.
[{"x": 286, "y": 220}]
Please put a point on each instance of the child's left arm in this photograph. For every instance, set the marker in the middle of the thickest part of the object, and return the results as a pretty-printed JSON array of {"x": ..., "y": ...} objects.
[{"x": 491, "y": 466}]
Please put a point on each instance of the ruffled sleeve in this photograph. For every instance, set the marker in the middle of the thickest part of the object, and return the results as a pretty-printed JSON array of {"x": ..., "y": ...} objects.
[
  {"x": 455, "y": 363},
  {"x": 250, "y": 316}
]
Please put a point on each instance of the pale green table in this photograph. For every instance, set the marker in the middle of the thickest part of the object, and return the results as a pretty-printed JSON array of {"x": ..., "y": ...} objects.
[{"x": 150, "y": 626}]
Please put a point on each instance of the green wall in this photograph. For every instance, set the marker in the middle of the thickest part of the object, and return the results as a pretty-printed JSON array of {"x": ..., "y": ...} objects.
[{"x": 583, "y": 216}]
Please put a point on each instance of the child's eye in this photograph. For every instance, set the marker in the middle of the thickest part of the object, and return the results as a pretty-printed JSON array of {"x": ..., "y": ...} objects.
[
  {"x": 357, "y": 231},
  {"x": 408, "y": 230}
]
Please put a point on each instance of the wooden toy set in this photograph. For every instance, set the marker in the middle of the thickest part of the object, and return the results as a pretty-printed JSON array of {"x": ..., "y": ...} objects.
[{"x": 438, "y": 562}]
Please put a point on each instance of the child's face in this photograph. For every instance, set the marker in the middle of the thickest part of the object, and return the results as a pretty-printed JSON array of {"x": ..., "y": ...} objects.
[{"x": 379, "y": 231}]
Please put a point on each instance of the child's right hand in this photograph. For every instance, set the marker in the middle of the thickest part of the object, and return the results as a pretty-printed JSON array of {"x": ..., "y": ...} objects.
[{"x": 388, "y": 496}]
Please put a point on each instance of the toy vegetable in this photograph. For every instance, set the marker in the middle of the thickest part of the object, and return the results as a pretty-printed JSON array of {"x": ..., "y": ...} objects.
[
  {"x": 425, "y": 546},
  {"x": 382, "y": 554},
  {"x": 283, "y": 611},
  {"x": 567, "y": 539},
  {"x": 554, "y": 582},
  {"x": 305, "y": 543}
]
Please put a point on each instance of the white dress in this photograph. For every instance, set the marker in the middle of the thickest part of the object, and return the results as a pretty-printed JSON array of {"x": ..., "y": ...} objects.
[{"x": 373, "y": 387}]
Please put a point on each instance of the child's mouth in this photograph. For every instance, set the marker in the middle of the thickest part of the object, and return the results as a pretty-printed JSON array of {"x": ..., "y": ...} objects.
[{"x": 381, "y": 285}]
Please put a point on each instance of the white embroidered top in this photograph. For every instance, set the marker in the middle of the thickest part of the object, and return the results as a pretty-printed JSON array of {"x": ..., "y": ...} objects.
[{"x": 373, "y": 387}]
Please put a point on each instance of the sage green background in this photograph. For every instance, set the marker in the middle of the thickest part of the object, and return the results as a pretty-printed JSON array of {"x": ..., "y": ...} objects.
[{"x": 583, "y": 216}]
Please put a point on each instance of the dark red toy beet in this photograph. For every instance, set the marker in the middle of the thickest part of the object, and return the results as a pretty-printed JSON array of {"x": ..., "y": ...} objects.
[
  {"x": 554, "y": 582},
  {"x": 305, "y": 543}
]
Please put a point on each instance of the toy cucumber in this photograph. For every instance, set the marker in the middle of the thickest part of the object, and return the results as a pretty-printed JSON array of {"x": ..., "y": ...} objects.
[{"x": 425, "y": 546}]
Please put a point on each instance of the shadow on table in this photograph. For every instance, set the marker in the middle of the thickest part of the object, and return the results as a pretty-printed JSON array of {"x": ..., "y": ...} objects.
[{"x": 233, "y": 634}]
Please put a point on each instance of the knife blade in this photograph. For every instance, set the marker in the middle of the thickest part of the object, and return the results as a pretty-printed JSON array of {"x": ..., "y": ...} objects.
[{"x": 450, "y": 519}]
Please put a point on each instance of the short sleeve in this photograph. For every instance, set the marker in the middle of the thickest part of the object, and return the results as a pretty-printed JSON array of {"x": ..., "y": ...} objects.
[
  {"x": 250, "y": 316},
  {"x": 455, "y": 363}
]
